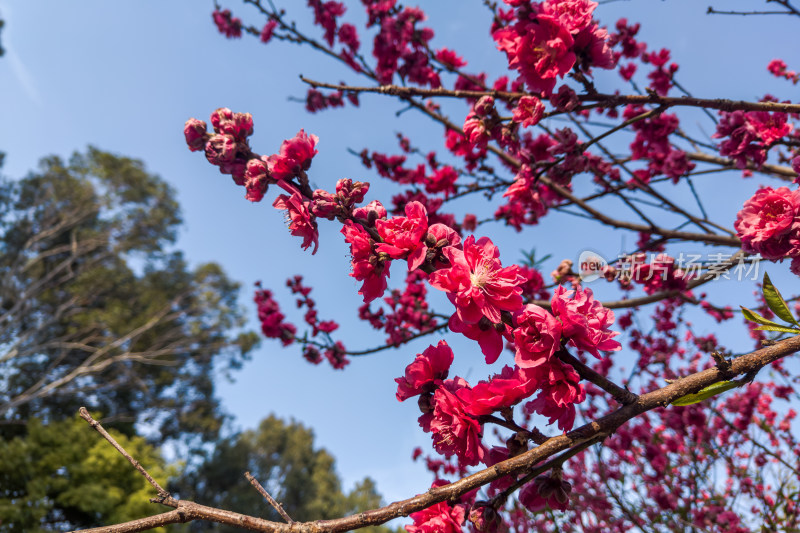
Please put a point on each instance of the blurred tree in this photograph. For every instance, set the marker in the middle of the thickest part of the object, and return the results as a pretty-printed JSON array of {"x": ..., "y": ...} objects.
[
  {"x": 96, "y": 311},
  {"x": 63, "y": 475},
  {"x": 283, "y": 459}
]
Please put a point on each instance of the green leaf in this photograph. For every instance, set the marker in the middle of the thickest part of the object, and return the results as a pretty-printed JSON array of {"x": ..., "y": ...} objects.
[
  {"x": 752, "y": 316},
  {"x": 781, "y": 329},
  {"x": 776, "y": 302},
  {"x": 705, "y": 393}
]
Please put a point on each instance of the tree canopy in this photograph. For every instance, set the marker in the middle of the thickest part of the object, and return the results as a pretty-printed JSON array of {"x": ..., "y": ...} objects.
[
  {"x": 282, "y": 457},
  {"x": 97, "y": 309},
  {"x": 60, "y": 475}
]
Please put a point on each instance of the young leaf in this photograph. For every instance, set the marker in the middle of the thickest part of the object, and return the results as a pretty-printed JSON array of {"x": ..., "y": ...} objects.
[
  {"x": 752, "y": 316},
  {"x": 776, "y": 302},
  {"x": 781, "y": 329},
  {"x": 706, "y": 392}
]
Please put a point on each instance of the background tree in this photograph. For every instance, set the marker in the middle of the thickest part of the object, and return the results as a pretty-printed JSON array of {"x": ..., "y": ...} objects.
[
  {"x": 97, "y": 311},
  {"x": 58, "y": 476},
  {"x": 282, "y": 457}
]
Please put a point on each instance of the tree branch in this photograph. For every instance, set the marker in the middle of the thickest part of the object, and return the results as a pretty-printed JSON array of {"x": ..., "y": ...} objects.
[{"x": 746, "y": 364}]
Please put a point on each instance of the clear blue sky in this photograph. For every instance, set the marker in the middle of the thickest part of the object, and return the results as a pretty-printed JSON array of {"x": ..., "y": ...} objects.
[{"x": 124, "y": 76}]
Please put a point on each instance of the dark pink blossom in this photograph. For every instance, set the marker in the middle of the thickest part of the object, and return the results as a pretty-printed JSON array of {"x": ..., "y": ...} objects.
[
  {"x": 484, "y": 332},
  {"x": 541, "y": 51},
  {"x": 450, "y": 59},
  {"x": 295, "y": 156},
  {"x": 367, "y": 267},
  {"x": 301, "y": 221},
  {"x": 585, "y": 321},
  {"x": 428, "y": 368},
  {"x": 537, "y": 336},
  {"x": 505, "y": 389},
  {"x": 477, "y": 283},
  {"x": 220, "y": 149},
  {"x": 403, "y": 236},
  {"x": 546, "y": 491},
  {"x": 267, "y": 31},
  {"x": 196, "y": 135},
  {"x": 574, "y": 15},
  {"x": 226, "y": 24},
  {"x": 560, "y": 391},
  {"x": 529, "y": 111},
  {"x": 256, "y": 179},
  {"x": 442, "y": 180},
  {"x": 769, "y": 221},
  {"x": 454, "y": 431},
  {"x": 348, "y": 36}
]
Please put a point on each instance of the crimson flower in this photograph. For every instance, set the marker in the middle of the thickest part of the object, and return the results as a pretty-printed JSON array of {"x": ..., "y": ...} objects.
[
  {"x": 404, "y": 236},
  {"x": 505, "y": 389},
  {"x": 769, "y": 221},
  {"x": 477, "y": 283},
  {"x": 427, "y": 368},
  {"x": 366, "y": 265},
  {"x": 454, "y": 431},
  {"x": 537, "y": 336},
  {"x": 301, "y": 221},
  {"x": 295, "y": 155},
  {"x": 585, "y": 321}
]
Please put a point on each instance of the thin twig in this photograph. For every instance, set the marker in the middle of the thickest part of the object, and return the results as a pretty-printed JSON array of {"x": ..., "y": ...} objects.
[
  {"x": 100, "y": 429},
  {"x": 621, "y": 395},
  {"x": 261, "y": 490}
]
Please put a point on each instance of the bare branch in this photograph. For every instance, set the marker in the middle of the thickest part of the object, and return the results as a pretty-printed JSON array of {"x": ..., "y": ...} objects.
[
  {"x": 100, "y": 429},
  {"x": 261, "y": 490}
]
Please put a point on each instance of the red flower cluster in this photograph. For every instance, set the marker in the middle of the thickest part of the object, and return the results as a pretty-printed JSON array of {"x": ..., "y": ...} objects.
[
  {"x": 769, "y": 224},
  {"x": 748, "y": 133},
  {"x": 271, "y": 318},
  {"x": 547, "y": 41},
  {"x": 228, "y": 25}
]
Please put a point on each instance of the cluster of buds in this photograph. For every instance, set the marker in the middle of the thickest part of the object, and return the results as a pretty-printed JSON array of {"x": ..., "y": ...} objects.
[
  {"x": 227, "y": 148},
  {"x": 483, "y": 123},
  {"x": 339, "y": 205}
]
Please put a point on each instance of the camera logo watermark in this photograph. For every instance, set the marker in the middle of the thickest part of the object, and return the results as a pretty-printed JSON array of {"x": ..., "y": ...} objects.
[{"x": 642, "y": 267}]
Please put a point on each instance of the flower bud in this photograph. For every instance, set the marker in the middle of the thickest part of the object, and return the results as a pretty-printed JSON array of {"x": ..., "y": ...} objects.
[
  {"x": 484, "y": 106},
  {"x": 220, "y": 149},
  {"x": 324, "y": 204},
  {"x": 196, "y": 135},
  {"x": 425, "y": 403},
  {"x": 484, "y": 517},
  {"x": 220, "y": 116}
]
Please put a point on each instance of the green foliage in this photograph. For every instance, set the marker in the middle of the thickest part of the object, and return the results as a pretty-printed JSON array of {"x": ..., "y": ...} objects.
[
  {"x": 706, "y": 393},
  {"x": 65, "y": 475},
  {"x": 283, "y": 459},
  {"x": 777, "y": 305},
  {"x": 97, "y": 310}
]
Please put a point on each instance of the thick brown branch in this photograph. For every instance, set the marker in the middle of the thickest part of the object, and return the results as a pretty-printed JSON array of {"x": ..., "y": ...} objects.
[
  {"x": 175, "y": 516},
  {"x": 744, "y": 365},
  {"x": 605, "y": 100},
  {"x": 780, "y": 171}
]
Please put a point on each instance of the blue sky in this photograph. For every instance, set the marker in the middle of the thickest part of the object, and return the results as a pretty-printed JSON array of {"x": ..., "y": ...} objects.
[{"x": 124, "y": 76}]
